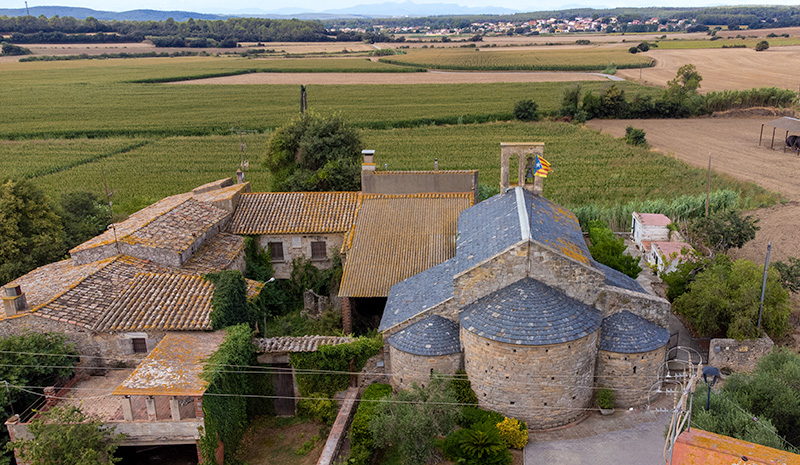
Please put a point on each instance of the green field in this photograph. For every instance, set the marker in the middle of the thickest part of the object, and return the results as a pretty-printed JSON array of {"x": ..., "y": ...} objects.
[
  {"x": 557, "y": 59},
  {"x": 82, "y": 125},
  {"x": 97, "y": 99},
  {"x": 749, "y": 43}
]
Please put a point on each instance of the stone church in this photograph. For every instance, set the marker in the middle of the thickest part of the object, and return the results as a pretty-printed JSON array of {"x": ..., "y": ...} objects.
[{"x": 535, "y": 321}]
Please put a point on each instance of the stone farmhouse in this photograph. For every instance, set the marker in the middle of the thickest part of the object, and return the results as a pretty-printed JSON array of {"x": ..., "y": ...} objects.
[
  {"x": 119, "y": 293},
  {"x": 537, "y": 324}
]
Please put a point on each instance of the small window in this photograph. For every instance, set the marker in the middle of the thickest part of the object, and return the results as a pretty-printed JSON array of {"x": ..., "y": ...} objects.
[
  {"x": 318, "y": 251},
  {"x": 139, "y": 345},
  {"x": 276, "y": 251}
]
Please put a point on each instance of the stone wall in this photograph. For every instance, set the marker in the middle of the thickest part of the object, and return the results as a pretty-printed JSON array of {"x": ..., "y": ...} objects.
[
  {"x": 491, "y": 275},
  {"x": 630, "y": 376},
  {"x": 738, "y": 355},
  {"x": 110, "y": 349},
  {"x": 299, "y": 246},
  {"x": 410, "y": 368},
  {"x": 542, "y": 385},
  {"x": 613, "y": 300},
  {"x": 575, "y": 279},
  {"x": 374, "y": 371}
]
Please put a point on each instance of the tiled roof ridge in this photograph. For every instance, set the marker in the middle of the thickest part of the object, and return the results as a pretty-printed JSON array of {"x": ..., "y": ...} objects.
[
  {"x": 424, "y": 172},
  {"x": 305, "y": 193},
  {"x": 347, "y": 244},
  {"x": 75, "y": 284},
  {"x": 298, "y": 343},
  {"x": 139, "y": 227},
  {"x": 422, "y": 195}
]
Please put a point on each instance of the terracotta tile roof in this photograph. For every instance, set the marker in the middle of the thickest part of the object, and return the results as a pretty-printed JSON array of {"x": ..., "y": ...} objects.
[
  {"x": 134, "y": 222},
  {"x": 668, "y": 248},
  {"x": 173, "y": 367},
  {"x": 295, "y": 212},
  {"x": 215, "y": 197},
  {"x": 85, "y": 302},
  {"x": 653, "y": 219},
  {"x": 298, "y": 344},
  {"x": 218, "y": 253},
  {"x": 47, "y": 282},
  {"x": 398, "y": 236},
  {"x": 164, "y": 302},
  {"x": 178, "y": 228},
  {"x": 425, "y": 172}
]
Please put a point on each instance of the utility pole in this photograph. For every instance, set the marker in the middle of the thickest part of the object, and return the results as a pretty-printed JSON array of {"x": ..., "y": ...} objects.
[
  {"x": 303, "y": 101},
  {"x": 764, "y": 285},
  {"x": 708, "y": 184},
  {"x": 27, "y": 11}
]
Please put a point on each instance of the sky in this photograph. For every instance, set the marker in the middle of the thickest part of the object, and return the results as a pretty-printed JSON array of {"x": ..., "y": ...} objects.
[{"x": 215, "y": 6}]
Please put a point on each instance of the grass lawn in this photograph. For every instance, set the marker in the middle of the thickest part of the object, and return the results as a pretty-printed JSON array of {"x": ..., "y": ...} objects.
[{"x": 283, "y": 441}]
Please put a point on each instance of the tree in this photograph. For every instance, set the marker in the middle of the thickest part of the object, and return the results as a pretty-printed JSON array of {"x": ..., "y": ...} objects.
[
  {"x": 30, "y": 359},
  {"x": 610, "y": 250},
  {"x": 724, "y": 300},
  {"x": 686, "y": 82},
  {"x": 11, "y": 49},
  {"x": 65, "y": 436},
  {"x": 31, "y": 234},
  {"x": 413, "y": 424},
  {"x": 83, "y": 216},
  {"x": 761, "y": 46},
  {"x": 790, "y": 274},
  {"x": 526, "y": 110},
  {"x": 724, "y": 229},
  {"x": 635, "y": 136},
  {"x": 229, "y": 302},
  {"x": 315, "y": 153},
  {"x": 643, "y": 46}
]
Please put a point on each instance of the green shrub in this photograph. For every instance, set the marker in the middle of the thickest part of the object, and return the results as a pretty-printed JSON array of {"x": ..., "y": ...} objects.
[
  {"x": 724, "y": 230},
  {"x": 761, "y": 46},
  {"x": 610, "y": 250},
  {"x": 635, "y": 136},
  {"x": 463, "y": 389},
  {"x": 790, "y": 274},
  {"x": 513, "y": 432},
  {"x": 526, "y": 110},
  {"x": 605, "y": 398},
  {"x": 333, "y": 358},
  {"x": 229, "y": 303},
  {"x": 634, "y": 50},
  {"x": 643, "y": 46},
  {"x": 478, "y": 445},
  {"x": 11, "y": 49},
  {"x": 361, "y": 444},
  {"x": 473, "y": 415},
  {"x": 318, "y": 407},
  {"x": 258, "y": 265}
]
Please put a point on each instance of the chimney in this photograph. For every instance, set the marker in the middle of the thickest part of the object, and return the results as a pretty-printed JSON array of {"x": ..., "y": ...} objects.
[
  {"x": 239, "y": 176},
  {"x": 435, "y": 164},
  {"x": 369, "y": 160},
  {"x": 14, "y": 300}
]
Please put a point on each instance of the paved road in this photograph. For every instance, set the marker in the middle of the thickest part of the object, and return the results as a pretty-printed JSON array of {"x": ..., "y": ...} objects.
[{"x": 640, "y": 445}]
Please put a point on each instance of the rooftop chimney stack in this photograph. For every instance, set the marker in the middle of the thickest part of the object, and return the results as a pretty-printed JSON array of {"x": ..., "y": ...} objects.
[
  {"x": 369, "y": 160},
  {"x": 435, "y": 164},
  {"x": 14, "y": 300}
]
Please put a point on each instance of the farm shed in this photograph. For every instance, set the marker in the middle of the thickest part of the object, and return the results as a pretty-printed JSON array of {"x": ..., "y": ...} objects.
[
  {"x": 786, "y": 123},
  {"x": 649, "y": 227},
  {"x": 667, "y": 255}
]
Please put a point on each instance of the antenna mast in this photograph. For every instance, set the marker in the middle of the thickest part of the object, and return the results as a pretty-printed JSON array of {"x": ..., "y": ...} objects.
[
  {"x": 27, "y": 11},
  {"x": 111, "y": 225}
]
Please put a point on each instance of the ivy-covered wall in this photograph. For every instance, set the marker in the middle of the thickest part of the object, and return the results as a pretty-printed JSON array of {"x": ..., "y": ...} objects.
[{"x": 332, "y": 358}]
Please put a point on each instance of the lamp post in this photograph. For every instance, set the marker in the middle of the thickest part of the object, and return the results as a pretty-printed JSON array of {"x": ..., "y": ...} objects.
[{"x": 714, "y": 373}]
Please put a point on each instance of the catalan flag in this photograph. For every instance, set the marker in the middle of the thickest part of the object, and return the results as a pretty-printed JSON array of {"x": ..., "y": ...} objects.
[{"x": 541, "y": 167}]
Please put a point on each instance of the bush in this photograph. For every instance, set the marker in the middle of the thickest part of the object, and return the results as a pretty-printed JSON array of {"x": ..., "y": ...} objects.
[
  {"x": 479, "y": 445},
  {"x": 526, "y": 110},
  {"x": 473, "y": 415},
  {"x": 635, "y": 136},
  {"x": 571, "y": 100},
  {"x": 643, "y": 46},
  {"x": 610, "y": 250},
  {"x": 513, "y": 432},
  {"x": 318, "y": 407},
  {"x": 361, "y": 444},
  {"x": 761, "y": 46},
  {"x": 14, "y": 50},
  {"x": 634, "y": 50},
  {"x": 724, "y": 230},
  {"x": 605, "y": 398},
  {"x": 790, "y": 274},
  {"x": 724, "y": 300},
  {"x": 333, "y": 358},
  {"x": 463, "y": 389},
  {"x": 229, "y": 302}
]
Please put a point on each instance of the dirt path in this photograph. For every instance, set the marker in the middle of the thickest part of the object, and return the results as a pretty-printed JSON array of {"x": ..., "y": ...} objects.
[
  {"x": 724, "y": 69},
  {"x": 733, "y": 143},
  {"x": 431, "y": 77}
]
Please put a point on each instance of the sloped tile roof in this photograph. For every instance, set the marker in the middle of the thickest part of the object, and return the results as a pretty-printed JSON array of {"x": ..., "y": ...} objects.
[
  {"x": 47, "y": 282},
  {"x": 173, "y": 367},
  {"x": 218, "y": 253},
  {"x": 164, "y": 302},
  {"x": 530, "y": 313},
  {"x": 295, "y": 212},
  {"x": 298, "y": 344},
  {"x": 398, "y": 236},
  {"x": 626, "y": 333},
  {"x": 178, "y": 228},
  {"x": 432, "y": 336},
  {"x": 85, "y": 303}
]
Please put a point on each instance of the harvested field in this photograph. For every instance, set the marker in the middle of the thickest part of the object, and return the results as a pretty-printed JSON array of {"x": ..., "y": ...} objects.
[
  {"x": 733, "y": 144},
  {"x": 431, "y": 77},
  {"x": 725, "y": 69},
  {"x": 540, "y": 40}
]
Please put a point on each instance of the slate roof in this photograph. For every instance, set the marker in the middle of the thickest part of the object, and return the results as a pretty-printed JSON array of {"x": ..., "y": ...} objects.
[
  {"x": 432, "y": 336},
  {"x": 298, "y": 344},
  {"x": 396, "y": 237},
  {"x": 295, "y": 212},
  {"x": 626, "y": 333},
  {"x": 530, "y": 313},
  {"x": 173, "y": 367},
  {"x": 487, "y": 229}
]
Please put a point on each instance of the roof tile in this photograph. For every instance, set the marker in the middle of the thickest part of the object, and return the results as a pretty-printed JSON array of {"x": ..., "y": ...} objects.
[{"x": 295, "y": 212}]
